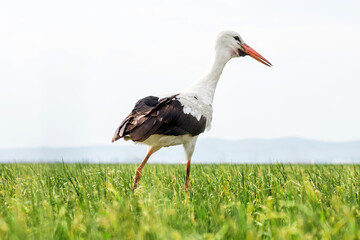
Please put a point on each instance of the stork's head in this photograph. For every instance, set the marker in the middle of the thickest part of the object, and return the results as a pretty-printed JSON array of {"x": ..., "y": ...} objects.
[{"x": 231, "y": 44}]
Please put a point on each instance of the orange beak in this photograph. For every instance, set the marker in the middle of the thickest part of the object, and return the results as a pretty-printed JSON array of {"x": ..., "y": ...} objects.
[{"x": 252, "y": 53}]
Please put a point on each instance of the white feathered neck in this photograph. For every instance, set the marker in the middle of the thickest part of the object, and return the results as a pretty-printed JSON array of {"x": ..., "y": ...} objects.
[{"x": 205, "y": 87}]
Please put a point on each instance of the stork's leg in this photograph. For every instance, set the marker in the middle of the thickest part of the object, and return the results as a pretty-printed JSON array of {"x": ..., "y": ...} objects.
[
  {"x": 186, "y": 185},
  {"x": 189, "y": 150},
  {"x": 139, "y": 169}
]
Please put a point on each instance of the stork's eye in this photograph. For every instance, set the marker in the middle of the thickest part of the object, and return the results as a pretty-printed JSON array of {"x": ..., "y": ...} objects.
[{"x": 237, "y": 38}]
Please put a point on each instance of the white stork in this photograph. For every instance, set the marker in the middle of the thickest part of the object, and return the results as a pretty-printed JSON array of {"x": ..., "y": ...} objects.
[{"x": 179, "y": 118}]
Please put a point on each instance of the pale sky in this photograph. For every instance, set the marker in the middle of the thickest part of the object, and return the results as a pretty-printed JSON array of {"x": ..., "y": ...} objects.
[{"x": 71, "y": 71}]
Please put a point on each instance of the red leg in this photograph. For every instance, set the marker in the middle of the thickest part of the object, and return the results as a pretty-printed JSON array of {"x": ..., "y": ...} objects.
[
  {"x": 186, "y": 185},
  {"x": 139, "y": 169}
]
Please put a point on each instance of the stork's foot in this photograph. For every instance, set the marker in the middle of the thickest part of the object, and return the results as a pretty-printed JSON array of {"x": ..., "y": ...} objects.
[{"x": 137, "y": 178}]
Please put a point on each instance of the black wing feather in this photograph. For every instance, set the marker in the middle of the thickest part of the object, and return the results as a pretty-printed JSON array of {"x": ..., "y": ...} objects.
[{"x": 152, "y": 115}]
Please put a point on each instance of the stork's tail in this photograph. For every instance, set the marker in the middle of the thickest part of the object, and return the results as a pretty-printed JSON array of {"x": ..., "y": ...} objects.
[
  {"x": 116, "y": 135},
  {"x": 119, "y": 133}
]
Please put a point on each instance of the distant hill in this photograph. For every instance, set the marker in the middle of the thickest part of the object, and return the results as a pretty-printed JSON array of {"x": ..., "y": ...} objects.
[{"x": 285, "y": 150}]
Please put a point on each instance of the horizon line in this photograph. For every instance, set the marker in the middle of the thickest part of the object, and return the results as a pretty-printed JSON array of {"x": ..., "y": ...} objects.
[{"x": 129, "y": 143}]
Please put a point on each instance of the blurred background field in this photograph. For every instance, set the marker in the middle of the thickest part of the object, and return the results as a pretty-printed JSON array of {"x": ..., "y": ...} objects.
[{"x": 89, "y": 201}]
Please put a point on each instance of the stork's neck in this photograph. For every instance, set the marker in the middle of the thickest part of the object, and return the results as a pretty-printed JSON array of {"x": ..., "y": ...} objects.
[{"x": 206, "y": 86}]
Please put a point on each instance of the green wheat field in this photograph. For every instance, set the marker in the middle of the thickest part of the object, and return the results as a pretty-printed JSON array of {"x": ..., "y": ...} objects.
[{"x": 89, "y": 201}]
